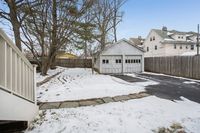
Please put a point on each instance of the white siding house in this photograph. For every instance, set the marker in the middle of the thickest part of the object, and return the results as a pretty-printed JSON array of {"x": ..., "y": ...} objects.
[
  {"x": 170, "y": 43},
  {"x": 118, "y": 58}
]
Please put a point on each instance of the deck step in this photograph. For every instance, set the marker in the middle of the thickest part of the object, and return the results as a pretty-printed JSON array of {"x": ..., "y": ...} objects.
[{"x": 13, "y": 126}]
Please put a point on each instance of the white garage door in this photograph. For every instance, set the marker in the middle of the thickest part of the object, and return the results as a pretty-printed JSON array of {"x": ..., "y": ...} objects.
[
  {"x": 133, "y": 64},
  {"x": 111, "y": 64}
]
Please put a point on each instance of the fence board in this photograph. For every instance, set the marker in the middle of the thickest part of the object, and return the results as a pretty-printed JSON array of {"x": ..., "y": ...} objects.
[
  {"x": 71, "y": 63},
  {"x": 184, "y": 66}
]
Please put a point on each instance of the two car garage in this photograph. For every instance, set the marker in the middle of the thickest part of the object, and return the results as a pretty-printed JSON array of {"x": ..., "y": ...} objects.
[
  {"x": 115, "y": 64},
  {"x": 121, "y": 57}
]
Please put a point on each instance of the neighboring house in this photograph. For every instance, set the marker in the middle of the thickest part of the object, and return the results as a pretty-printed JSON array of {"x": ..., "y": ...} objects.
[
  {"x": 18, "y": 101},
  {"x": 169, "y": 43},
  {"x": 65, "y": 55},
  {"x": 137, "y": 41},
  {"x": 120, "y": 57}
]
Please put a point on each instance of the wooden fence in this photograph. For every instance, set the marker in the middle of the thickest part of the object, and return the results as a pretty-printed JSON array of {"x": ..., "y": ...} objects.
[
  {"x": 71, "y": 63},
  {"x": 183, "y": 66}
]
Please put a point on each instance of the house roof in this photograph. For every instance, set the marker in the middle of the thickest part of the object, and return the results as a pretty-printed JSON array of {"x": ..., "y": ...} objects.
[
  {"x": 166, "y": 35},
  {"x": 64, "y": 55},
  {"x": 113, "y": 44},
  {"x": 137, "y": 41}
]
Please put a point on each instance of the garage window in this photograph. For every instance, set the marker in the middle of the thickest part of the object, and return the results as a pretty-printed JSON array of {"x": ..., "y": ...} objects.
[
  {"x": 127, "y": 61},
  {"x": 132, "y": 61},
  {"x": 118, "y": 61},
  {"x": 105, "y": 61}
]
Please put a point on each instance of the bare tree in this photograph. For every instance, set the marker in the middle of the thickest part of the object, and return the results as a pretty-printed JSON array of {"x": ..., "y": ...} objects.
[
  {"x": 50, "y": 26},
  {"x": 117, "y": 15},
  {"x": 15, "y": 15},
  {"x": 107, "y": 17}
]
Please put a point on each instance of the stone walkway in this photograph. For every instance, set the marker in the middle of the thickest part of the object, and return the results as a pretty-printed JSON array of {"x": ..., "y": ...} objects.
[{"x": 90, "y": 102}]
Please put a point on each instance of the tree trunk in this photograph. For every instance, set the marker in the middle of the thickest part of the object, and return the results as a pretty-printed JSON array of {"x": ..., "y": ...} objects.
[
  {"x": 103, "y": 42},
  {"x": 85, "y": 50},
  {"x": 16, "y": 30},
  {"x": 15, "y": 22}
]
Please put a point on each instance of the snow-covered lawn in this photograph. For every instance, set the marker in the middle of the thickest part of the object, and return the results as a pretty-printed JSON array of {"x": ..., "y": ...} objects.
[
  {"x": 39, "y": 77},
  {"x": 80, "y": 83},
  {"x": 134, "y": 116}
]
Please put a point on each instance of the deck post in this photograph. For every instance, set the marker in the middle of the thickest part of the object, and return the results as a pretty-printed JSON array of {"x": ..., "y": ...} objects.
[{"x": 34, "y": 83}]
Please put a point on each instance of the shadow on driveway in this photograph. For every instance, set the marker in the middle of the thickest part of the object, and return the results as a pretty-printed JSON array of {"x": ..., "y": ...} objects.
[{"x": 169, "y": 87}]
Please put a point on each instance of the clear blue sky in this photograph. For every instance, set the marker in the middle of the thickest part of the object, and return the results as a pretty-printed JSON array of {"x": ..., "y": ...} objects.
[
  {"x": 143, "y": 15},
  {"x": 140, "y": 16}
]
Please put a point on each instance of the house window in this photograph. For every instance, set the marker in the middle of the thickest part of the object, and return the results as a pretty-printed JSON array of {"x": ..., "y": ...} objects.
[
  {"x": 174, "y": 46},
  {"x": 107, "y": 61},
  {"x": 147, "y": 49},
  {"x": 182, "y": 37},
  {"x": 126, "y": 61},
  {"x": 181, "y": 47},
  {"x": 150, "y": 39},
  {"x": 179, "y": 37},
  {"x": 136, "y": 61},
  {"x": 139, "y": 61},
  {"x": 156, "y": 47},
  {"x": 129, "y": 61},
  {"x": 192, "y": 47},
  {"x": 154, "y": 38},
  {"x": 186, "y": 47}
]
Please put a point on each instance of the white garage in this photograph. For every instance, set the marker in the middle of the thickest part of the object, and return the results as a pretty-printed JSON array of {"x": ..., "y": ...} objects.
[{"x": 118, "y": 58}]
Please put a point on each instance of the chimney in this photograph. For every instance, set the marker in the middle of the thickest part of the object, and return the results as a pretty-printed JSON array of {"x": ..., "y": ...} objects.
[{"x": 164, "y": 28}]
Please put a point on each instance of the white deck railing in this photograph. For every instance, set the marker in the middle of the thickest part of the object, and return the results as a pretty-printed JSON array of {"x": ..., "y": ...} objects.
[{"x": 17, "y": 75}]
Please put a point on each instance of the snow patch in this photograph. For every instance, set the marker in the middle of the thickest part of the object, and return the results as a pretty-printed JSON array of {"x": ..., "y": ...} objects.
[
  {"x": 189, "y": 82},
  {"x": 140, "y": 115},
  {"x": 80, "y": 83}
]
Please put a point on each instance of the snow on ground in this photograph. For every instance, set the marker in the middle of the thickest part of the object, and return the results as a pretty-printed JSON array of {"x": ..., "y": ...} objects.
[
  {"x": 190, "y": 53},
  {"x": 131, "y": 74},
  {"x": 139, "y": 115},
  {"x": 39, "y": 77},
  {"x": 189, "y": 82},
  {"x": 161, "y": 74},
  {"x": 80, "y": 83}
]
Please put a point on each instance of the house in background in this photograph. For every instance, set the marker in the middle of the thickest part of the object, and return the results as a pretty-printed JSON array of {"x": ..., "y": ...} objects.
[
  {"x": 170, "y": 43},
  {"x": 65, "y": 55},
  {"x": 137, "y": 41},
  {"x": 120, "y": 57}
]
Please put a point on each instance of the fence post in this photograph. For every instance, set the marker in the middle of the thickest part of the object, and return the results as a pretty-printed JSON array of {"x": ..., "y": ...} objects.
[{"x": 34, "y": 84}]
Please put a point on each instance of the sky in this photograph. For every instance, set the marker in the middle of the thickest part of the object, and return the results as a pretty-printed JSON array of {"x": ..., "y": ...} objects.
[{"x": 140, "y": 16}]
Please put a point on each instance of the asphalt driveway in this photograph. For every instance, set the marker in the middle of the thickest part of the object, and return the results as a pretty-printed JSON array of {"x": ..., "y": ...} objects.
[{"x": 169, "y": 87}]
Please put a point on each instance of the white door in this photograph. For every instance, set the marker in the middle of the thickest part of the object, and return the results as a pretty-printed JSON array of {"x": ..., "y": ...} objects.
[
  {"x": 111, "y": 64},
  {"x": 132, "y": 63}
]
